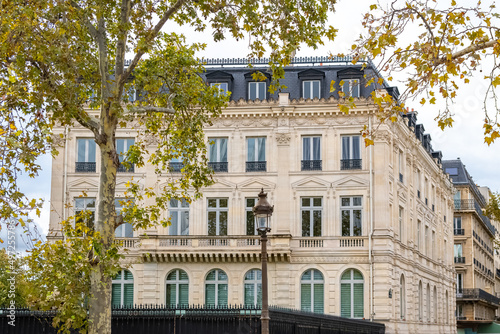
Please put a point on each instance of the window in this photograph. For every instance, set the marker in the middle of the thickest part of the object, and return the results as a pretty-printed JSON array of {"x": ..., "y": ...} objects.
[
  {"x": 428, "y": 302},
  {"x": 217, "y": 216},
  {"x": 311, "y": 291},
  {"x": 351, "y": 87},
  {"x": 420, "y": 301},
  {"x": 253, "y": 288},
  {"x": 435, "y": 305},
  {"x": 460, "y": 284},
  {"x": 351, "y": 216},
  {"x": 426, "y": 241},
  {"x": 458, "y": 253},
  {"x": 457, "y": 226},
  {"x": 311, "y": 208},
  {"x": 351, "y": 294},
  {"x": 177, "y": 288},
  {"x": 419, "y": 227},
  {"x": 179, "y": 217},
  {"x": 125, "y": 230},
  {"x": 85, "y": 155},
  {"x": 256, "y": 90},
  {"x": 401, "y": 166},
  {"x": 122, "y": 147},
  {"x": 460, "y": 312},
  {"x": 401, "y": 213},
  {"x": 216, "y": 288},
  {"x": 446, "y": 302},
  {"x": 351, "y": 153},
  {"x": 311, "y": 89},
  {"x": 433, "y": 245},
  {"x": 250, "y": 219},
  {"x": 85, "y": 211},
  {"x": 311, "y": 153},
  {"x": 256, "y": 154},
  {"x": 218, "y": 154},
  {"x": 418, "y": 183},
  {"x": 402, "y": 296},
  {"x": 122, "y": 289},
  {"x": 223, "y": 87},
  {"x": 451, "y": 170}
]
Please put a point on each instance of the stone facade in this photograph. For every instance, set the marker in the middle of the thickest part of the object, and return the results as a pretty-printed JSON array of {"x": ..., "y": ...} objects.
[{"x": 381, "y": 210}]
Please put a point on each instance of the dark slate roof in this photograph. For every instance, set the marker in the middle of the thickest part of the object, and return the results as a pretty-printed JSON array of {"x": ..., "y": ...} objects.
[{"x": 459, "y": 176}]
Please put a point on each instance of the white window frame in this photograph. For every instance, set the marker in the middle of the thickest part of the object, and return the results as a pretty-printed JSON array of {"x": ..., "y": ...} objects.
[
  {"x": 217, "y": 144},
  {"x": 255, "y": 282},
  {"x": 121, "y": 230},
  {"x": 218, "y": 209},
  {"x": 257, "y": 150},
  {"x": 311, "y": 148},
  {"x": 178, "y": 211},
  {"x": 311, "y": 208},
  {"x": 177, "y": 282},
  {"x": 312, "y": 281},
  {"x": 351, "y": 208},
  {"x": 78, "y": 209},
  {"x": 223, "y": 87},
  {"x": 309, "y": 95},
  {"x": 257, "y": 89},
  {"x": 354, "y": 86},
  {"x": 87, "y": 157},
  {"x": 351, "y": 281},
  {"x": 217, "y": 282},
  {"x": 122, "y": 281},
  {"x": 350, "y": 154}
]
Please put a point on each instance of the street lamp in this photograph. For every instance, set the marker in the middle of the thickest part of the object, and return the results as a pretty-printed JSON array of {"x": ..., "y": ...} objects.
[{"x": 262, "y": 212}]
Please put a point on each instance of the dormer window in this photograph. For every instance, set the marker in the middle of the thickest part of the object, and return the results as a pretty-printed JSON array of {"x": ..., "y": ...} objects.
[
  {"x": 351, "y": 87},
  {"x": 349, "y": 80},
  {"x": 312, "y": 83},
  {"x": 223, "y": 86},
  {"x": 223, "y": 80},
  {"x": 256, "y": 90}
]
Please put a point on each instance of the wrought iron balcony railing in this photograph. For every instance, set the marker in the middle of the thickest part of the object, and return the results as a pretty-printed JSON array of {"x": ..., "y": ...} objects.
[
  {"x": 85, "y": 167},
  {"x": 458, "y": 231},
  {"x": 175, "y": 167},
  {"x": 311, "y": 164},
  {"x": 478, "y": 294},
  {"x": 256, "y": 166},
  {"x": 123, "y": 169},
  {"x": 218, "y": 167},
  {"x": 459, "y": 259},
  {"x": 347, "y": 164}
]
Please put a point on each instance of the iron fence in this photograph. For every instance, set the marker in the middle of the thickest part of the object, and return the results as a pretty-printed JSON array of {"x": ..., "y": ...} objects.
[{"x": 156, "y": 319}]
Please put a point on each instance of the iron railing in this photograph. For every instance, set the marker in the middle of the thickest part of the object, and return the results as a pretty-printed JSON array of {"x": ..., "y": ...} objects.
[
  {"x": 346, "y": 164},
  {"x": 85, "y": 167},
  {"x": 458, "y": 231},
  {"x": 471, "y": 204},
  {"x": 218, "y": 167},
  {"x": 175, "y": 167},
  {"x": 256, "y": 166},
  {"x": 459, "y": 259},
  {"x": 478, "y": 294},
  {"x": 123, "y": 169},
  {"x": 498, "y": 272},
  {"x": 311, "y": 165}
]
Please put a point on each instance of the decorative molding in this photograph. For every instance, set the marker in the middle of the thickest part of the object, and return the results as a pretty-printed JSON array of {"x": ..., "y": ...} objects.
[{"x": 283, "y": 138}]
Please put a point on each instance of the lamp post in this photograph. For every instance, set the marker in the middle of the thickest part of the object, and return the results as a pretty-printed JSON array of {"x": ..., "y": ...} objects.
[{"x": 262, "y": 212}]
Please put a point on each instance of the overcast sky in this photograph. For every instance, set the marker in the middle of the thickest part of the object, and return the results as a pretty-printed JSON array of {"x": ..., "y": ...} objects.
[{"x": 464, "y": 140}]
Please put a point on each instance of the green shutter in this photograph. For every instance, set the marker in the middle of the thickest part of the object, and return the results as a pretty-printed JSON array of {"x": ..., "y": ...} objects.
[
  {"x": 318, "y": 298},
  {"x": 183, "y": 276},
  {"x": 249, "y": 294},
  {"x": 128, "y": 294},
  {"x": 317, "y": 275},
  {"x": 358, "y": 300},
  {"x": 171, "y": 295},
  {"x": 128, "y": 275},
  {"x": 184, "y": 294},
  {"x": 222, "y": 295},
  {"x": 357, "y": 275},
  {"x": 345, "y": 300},
  {"x": 259, "y": 294},
  {"x": 210, "y": 294},
  {"x": 116, "y": 295},
  {"x": 305, "y": 296}
]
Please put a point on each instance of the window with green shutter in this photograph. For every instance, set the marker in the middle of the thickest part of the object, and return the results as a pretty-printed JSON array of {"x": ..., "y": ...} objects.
[
  {"x": 216, "y": 288},
  {"x": 177, "y": 288},
  {"x": 122, "y": 289},
  {"x": 253, "y": 288},
  {"x": 312, "y": 291},
  {"x": 352, "y": 294}
]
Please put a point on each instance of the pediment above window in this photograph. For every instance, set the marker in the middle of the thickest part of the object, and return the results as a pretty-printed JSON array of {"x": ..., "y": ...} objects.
[
  {"x": 249, "y": 75},
  {"x": 219, "y": 75},
  {"x": 311, "y": 74},
  {"x": 350, "y": 73}
]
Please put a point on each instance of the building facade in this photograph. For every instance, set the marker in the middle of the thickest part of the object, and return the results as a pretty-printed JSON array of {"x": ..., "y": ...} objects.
[
  {"x": 474, "y": 252},
  {"x": 357, "y": 231}
]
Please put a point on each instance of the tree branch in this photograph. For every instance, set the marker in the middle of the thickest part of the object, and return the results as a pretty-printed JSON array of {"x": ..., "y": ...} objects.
[
  {"x": 467, "y": 50},
  {"x": 85, "y": 20},
  {"x": 122, "y": 40}
]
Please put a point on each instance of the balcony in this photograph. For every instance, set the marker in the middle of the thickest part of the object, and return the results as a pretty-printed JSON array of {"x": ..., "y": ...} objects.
[
  {"x": 311, "y": 165},
  {"x": 477, "y": 294},
  {"x": 175, "y": 167},
  {"x": 458, "y": 231},
  {"x": 85, "y": 167},
  {"x": 123, "y": 169},
  {"x": 256, "y": 166},
  {"x": 348, "y": 164},
  {"x": 472, "y": 205},
  {"x": 218, "y": 167},
  {"x": 459, "y": 259}
]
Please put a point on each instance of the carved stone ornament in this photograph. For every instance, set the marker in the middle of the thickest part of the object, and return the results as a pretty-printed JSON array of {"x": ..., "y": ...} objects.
[
  {"x": 57, "y": 140},
  {"x": 284, "y": 121},
  {"x": 283, "y": 138},
  {"x": 227, "y": 122}
]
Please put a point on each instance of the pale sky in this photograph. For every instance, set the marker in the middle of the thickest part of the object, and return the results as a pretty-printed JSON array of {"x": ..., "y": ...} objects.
[{"x": 464, "y": 140}]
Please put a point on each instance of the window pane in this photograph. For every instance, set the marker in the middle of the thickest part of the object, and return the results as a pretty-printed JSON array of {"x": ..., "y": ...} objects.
[
  {"x": 262, "y": 90},
  {"x": 357, "y": 222},
  {"x": 346, "y": 201},
  {"x": 128, "y": 295},
  {"x": 306, "y": 201},
  {"x": 317, "y": 201},
  {"x": 306, "y": 223},
  {"x": 171, "y": 298},
  {"x": 173, "y": 223},
  {"x": 211, "y": 276},
  {"x": 306, "y": 148},
  {"x": 116, "y": 295},
  {"x": 250, "y": 223},
  {"x": 212, "y": 223},
  {"x": 249, "y": 294},
  {"x": 212, "y": 203},
  {"x": 356, "y": 154},
  {"x": 210, "y": 294},
  {"x": 307, "y": 275},
  {"x": 261, "y": 149},
  {"x": 318, "y": 298},
  {"x": 356, "y": 201},
  {"x": 251, "y": 149},
  {"x": 223, "y": 202},
  {"x": 183, "y": 294},
  {"x": 358, "y": 300},
  {"x": 305, "y": 297},
  {"x": 316, "y": 88},
  {"x": 223, "y": 223},
  {"x": 316, "y": 148},
  {"x": 127, "y": 230},
  {"x": 345, "y": 300},
  {"x": 307, "y": 89},
  {"x": 223, "y": 150},
  {"x": 185, "y": 223},
  {"x": 222, "y": 295},
  {"x": 346, "y": 223},
  {"x": 317, "y": 222},
  {"x": 222, "y": 275},
  {"x": 252, "y": 95},
  {"x": 81, "y": 150}
]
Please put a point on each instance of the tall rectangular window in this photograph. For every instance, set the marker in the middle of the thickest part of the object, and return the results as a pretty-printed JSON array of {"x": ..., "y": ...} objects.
[
  {"x": 122, "y": 147},
  {"x": 311, "y": 89},
  {"x": 401, "y": 165},
  {"x": 223, "y": 86},
  {"x": 457, "y": 226},
  {"x": 419, "y": 228},
  {"x": 460, "y": 283},
  {"x": 256, "y": 90},
  {"x": 256, "y": 154},
  {"x": 85, "y": 210},
  {"x": 217, "y": 216},
  {"x": 85, "y": 155},
  {"x": 433, "y": 246},
  {"x": 250, "y": 219},
  {"x": 125, "y": 230},
  {"x": 351, "y": 215},
  {"x": 179, "y": 217},
  {"x": 426, "y": 241},
  {"x": 351, "y": 153},
  {"x": 401, "y": 213},
  {"x": 351, "y": 87},
  {"x": 218, "y": 154},
  {"x": 311, "y": 153},
  {"x": 418, "y": 183},
  {"x": 311, "y": 209}
]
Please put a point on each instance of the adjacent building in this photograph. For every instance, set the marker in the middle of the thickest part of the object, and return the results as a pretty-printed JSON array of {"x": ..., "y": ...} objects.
[{"x": 357, "y": 231}]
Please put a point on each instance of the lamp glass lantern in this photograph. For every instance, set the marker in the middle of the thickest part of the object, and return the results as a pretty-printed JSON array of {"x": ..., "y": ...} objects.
[{"x": 262, "y": 212}]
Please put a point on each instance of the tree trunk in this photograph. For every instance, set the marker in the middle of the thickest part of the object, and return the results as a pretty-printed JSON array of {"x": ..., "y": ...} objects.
[{"x": 100, "y": 284}]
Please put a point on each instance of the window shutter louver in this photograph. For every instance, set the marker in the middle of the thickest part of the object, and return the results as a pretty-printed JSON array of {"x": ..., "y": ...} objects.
[
  {"x": 128, "y": 275},
  {"x": 183, "y": 294},
  {"x": 249, "y": 294},
  {"x": 318, "y": 298},
  {"x": 210, "y": 294},
  {"x": 358, "y": 300},
  {"x": 345, "y": 300},
  {"x": 116, "y": 295},
  {"x": 171, "y": 295},
  {"x": 222, "y": 295},
  {"x": 305, "y": 297},
  {"x": 128, "y": 294}
]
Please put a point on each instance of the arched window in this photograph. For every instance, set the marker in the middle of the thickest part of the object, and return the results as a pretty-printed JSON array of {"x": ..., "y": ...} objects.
[
  {"x": 122, "y": 289},
  {"x": 177, "y": 288},
  {"x": 311, "y": 291},
  {"x": 402, "y": 297},
  {"x": 351, "y": 294},
  {"x": 216, "y": 288},
  {"x": 435, "y": 305},
  {"x": 253, "y": 288},
  {"x": 428, "y": 302},
  {"x": 420, "y": 301}
]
